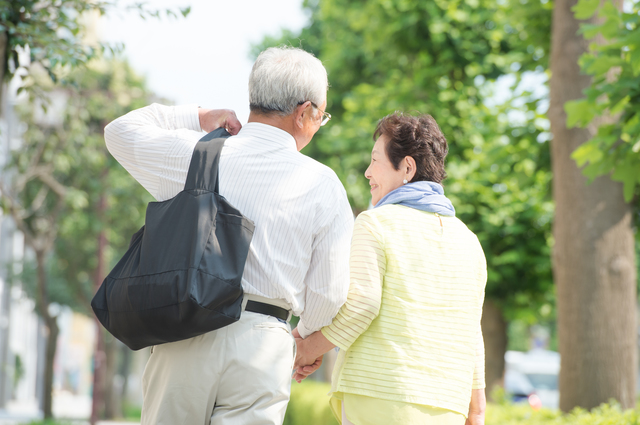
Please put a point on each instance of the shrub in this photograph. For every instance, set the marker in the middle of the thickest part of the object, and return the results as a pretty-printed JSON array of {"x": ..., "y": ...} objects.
[
  {"x": 309, "y": 404},
  {"x": 518, "y": 414}
]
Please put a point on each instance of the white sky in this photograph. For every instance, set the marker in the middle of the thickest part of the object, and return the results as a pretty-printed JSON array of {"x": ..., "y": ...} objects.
[{"x": 204, "y": 58}]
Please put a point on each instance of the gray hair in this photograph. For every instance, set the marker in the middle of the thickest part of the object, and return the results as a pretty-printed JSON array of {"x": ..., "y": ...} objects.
[{"x": 283, "y": 77}]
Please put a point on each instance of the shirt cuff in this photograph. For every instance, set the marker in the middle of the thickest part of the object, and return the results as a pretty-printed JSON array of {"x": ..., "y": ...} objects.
[
  {"x": 187, "y": 117},
  {"x": 302, "y": 330}
]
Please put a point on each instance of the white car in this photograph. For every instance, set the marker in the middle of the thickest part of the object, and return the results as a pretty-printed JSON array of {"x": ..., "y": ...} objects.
[{"x": 533, "y": 375}]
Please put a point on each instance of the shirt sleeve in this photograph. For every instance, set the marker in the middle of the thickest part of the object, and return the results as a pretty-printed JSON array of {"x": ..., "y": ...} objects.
[
  {"x": 327, "y": 279},
  {"x": 155, "y": 144},
  {"x": 367, "y": 266}
]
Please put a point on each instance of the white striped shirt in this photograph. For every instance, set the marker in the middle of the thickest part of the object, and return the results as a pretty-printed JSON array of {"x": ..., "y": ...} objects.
[{"x": 303, "y": 223}]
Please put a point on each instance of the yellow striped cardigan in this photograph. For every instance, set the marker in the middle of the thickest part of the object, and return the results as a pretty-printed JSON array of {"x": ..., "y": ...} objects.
[{"x": 410, "y": 329}]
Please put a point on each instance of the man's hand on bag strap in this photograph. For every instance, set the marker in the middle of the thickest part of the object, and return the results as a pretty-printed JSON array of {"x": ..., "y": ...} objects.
[{"x": 211, "y": 119}]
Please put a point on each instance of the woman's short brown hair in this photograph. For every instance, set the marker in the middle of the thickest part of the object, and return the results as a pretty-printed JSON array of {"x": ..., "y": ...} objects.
[{"x": 418, "y": 137}]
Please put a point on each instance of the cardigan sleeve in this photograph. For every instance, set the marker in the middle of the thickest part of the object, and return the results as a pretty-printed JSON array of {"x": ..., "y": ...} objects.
[
  {"x": 478, "y": 371},
  {"x": 367, "y": 266}
]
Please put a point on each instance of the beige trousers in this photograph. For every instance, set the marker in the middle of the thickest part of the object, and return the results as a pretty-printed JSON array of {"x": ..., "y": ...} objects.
[{"x": 239, "y": 374}]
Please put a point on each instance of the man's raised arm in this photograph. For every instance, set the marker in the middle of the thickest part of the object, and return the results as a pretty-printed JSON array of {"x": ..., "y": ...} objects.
[{"x": 155, "y": 143}]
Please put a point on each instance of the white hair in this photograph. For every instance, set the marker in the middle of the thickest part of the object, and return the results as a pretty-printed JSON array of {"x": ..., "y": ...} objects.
[{"x": 284, "y": 77}]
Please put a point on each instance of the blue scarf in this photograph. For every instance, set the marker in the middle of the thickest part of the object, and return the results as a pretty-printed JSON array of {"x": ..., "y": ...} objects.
[{"x": 421, "y": 195}]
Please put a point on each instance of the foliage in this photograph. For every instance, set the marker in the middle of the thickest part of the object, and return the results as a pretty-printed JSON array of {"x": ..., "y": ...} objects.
[
  {"x": 131, "y": 412},
  {"x": 98, "y": 93},
  {"x": 614, "y": 91},
  {"x": 77, "y": 156},
  {"x": 309, "y": 404},
  {"x": 516, "y": 414},
  {"x": 52, "y": 31},
  {"x": 441, "y": 58},
  {"x": 50, "y": 422},
  {"x": 52, "y": 188}
]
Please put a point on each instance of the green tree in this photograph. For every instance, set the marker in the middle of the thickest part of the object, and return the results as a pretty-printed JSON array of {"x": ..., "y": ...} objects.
[
  {"x": 63, "y": 179},
  {"x": 614, "y": 90},
  {"x": 441, "y": 57},
  {"x": 593, "y": 254},
  {"x": 51, "y": 33},
  {"x": 91, "y": 239}
]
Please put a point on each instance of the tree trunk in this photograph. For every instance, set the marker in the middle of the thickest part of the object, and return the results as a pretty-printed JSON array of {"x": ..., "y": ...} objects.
[
  {"x": 111, "y": 403},
  {"x": 97, "y": 403},
  {"x": 593, "y": 257},
  {"x": 52, "y": 345},
  {"x": 494, "y": 331},
  {"x": 4, "y": 41},
  {"x": 50, "y": 322},
  {"x": 99, "y": 357}
]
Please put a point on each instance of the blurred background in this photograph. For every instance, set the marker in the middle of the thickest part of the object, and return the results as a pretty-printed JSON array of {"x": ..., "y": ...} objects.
[{"x": 539, "y": 101}]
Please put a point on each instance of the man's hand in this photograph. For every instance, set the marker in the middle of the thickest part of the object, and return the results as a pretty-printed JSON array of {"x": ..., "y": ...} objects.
[
  {"x": 306, "y": 362},
  {"x": 477, "y": 407},
  {"x": 309, "y": 353},
  {"x": 211, "y": 119},
  {"x": 302, "y": 372}
]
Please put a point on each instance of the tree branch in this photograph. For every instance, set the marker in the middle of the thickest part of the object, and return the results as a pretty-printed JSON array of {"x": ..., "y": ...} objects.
[{"x": 14, "y": 209}]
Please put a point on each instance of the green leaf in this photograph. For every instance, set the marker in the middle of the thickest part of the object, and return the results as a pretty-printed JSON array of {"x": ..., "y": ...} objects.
[
  {"x": 587, "y": 152},
  {"x": 585, "y": 9},
  {"x": 589, "y": 31},
  {"x": 624, "y": 173},
  {"x": 634, "y": 59},
  {"x": 628, "y": 189},
  {"x": 627, "y": 173},
  {"x": 579, "y": 113},
  {"x": 603, "y": 63},
  {"x": 619, "y": 107}
]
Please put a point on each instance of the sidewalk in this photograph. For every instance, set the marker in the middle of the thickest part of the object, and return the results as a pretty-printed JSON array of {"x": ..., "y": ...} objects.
[
  {"x": 69, "y": 409},
  {"x": 74, "y": 422},
  {"x": 4, "y": 420}
]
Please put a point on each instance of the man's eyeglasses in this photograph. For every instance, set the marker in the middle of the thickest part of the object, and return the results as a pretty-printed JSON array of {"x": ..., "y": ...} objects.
[{"x": 325, "y": 115}]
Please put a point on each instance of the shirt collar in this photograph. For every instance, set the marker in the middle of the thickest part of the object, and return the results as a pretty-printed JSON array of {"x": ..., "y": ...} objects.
[{"x": 273, "y": 135}]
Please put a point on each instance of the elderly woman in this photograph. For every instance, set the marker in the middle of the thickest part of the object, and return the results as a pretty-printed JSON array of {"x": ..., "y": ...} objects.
[{"x": 411, "y": 349}]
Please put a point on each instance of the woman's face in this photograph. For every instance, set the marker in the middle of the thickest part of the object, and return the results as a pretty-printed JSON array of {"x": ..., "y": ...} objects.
[{"x": 383, "y": 178}]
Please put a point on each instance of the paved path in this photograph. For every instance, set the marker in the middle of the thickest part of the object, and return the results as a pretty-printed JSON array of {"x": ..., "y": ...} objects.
[{"x": 22, "y": 421}]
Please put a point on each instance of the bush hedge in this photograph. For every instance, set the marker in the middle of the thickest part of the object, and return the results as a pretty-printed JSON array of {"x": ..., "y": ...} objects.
[
  {"x": 517, "y": 414},
  {"x": 309, "y": 405}
]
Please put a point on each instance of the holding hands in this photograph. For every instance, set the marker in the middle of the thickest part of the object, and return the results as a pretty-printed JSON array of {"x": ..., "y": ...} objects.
[{"x": 309, "y": 353}]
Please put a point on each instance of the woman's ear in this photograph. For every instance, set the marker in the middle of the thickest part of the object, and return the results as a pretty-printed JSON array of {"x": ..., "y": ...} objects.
[{"x": 409, "y": 165}]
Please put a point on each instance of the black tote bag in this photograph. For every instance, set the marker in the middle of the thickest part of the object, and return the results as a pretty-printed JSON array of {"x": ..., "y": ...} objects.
[{"x": 181, "y": 276}]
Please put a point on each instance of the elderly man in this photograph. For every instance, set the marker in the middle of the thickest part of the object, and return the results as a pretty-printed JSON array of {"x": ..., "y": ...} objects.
[{"x": 298, "y": 261}]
